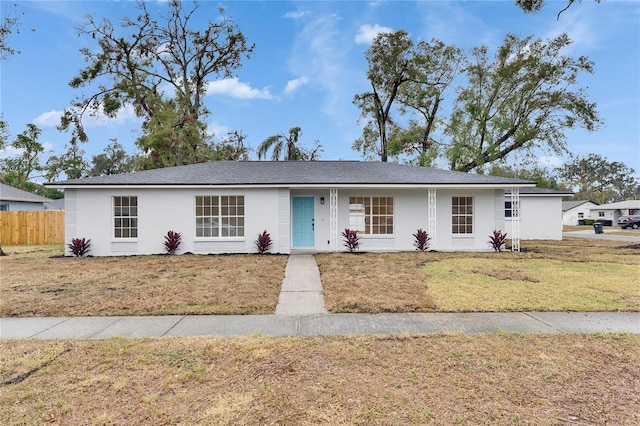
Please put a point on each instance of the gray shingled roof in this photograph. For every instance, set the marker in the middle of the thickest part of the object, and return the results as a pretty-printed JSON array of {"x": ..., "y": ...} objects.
[
  {"x": 270, "y": 173},
  {"x": 9, "y": 193},
  {"x": 543, "y": 191},
  {"x": 568, "y": 205}
]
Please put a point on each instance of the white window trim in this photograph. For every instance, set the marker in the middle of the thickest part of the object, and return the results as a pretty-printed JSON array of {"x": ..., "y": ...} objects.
[
  {"x": 218, "y": 238},
  {"x": 473, "y": 218},
  {"x": 375, "y": 236},
  {"x": 506, "y": 218},
  {"x": 113, "y": 219}
]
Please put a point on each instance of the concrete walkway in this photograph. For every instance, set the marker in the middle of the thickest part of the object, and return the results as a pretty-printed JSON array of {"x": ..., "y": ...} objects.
[
  {"x": 301, "y": 312},
  {"x": 301, "y": 292}
]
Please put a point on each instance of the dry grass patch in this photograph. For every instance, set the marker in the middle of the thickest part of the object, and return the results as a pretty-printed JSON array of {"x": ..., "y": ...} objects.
[
  {"x": 140, "y": 285},
  {"x": 374, "y": 282},
  {"x": 569, "y": 275},
  {"x": 438, "y": 379}
]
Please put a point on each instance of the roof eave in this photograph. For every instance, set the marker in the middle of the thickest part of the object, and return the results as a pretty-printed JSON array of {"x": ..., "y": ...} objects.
[{"x": 298, "y": 185}]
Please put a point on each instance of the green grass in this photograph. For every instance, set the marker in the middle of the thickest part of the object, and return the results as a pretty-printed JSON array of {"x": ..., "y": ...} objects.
[{"x": 473, "y": 284}]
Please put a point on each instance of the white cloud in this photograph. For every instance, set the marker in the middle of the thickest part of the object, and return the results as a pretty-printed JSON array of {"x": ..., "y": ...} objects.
[
  {"x": 322, "y": 52},
  {"x": 293, "y": 85},
  {"x": 219, "y": 131},
  {"x": 366, "y": 33},
  {"x": 52, "y": 118},
  {"x": 48, "y": 119},
  {"x": 234, "y": 88},
  {"x": 296, "y": 14}
]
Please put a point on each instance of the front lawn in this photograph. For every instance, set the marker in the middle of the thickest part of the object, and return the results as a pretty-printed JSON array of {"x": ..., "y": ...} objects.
[
  {"x": 570, "y": 275},
  {"x": 36, "y": 285},
  {"x": 441, "y": 379}
]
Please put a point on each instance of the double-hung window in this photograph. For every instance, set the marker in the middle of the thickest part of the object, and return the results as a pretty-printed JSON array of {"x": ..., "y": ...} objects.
[
  {"x": 125, "y": 217},
  {"x": 371, "y": 215},
  {"x": 462, "y": 215},
  {"x": 220, "y": 216}
]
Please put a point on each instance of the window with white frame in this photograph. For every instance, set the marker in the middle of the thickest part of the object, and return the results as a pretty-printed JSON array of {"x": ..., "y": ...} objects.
[
  {"x": 462, "y": 215},
  {"x": 509, "y": 210},
  {"x": 125, "y": 217},
  {"x": 371, "y": 215},
  {"x": 600, "y": 214},
  {"x": 580, "y": 215},
  {"x": 220, "y": 216}
]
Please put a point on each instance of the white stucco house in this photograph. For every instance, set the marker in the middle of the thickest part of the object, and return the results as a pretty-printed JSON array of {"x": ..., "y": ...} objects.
[
  {"x": 610, "y": 213},
  {"x": 540, "y": 214},
  {"x": 574, "y": 212},
  {"x": 220, "y": 207},
  {"x": 14, "y": 199}
]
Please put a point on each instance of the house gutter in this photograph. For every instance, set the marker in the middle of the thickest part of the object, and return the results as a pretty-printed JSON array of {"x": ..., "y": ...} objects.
[{"x": 297, "y": 186}]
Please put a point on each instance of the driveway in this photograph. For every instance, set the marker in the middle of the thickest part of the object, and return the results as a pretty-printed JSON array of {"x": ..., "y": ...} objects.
[{"x": 606, "y": 235}]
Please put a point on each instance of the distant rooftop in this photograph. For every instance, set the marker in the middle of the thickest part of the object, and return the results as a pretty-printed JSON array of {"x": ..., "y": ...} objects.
[{"x": 9, "y": 193}]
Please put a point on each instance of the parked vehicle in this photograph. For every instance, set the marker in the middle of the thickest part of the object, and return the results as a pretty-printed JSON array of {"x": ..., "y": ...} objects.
[{"x": 629, "y": 221}]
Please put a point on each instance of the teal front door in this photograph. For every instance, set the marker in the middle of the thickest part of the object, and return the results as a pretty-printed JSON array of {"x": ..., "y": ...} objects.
[{"x": 303, "y": 226}]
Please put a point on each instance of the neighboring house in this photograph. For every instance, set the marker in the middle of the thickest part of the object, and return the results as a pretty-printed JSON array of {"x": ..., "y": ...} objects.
[
  {"x": 540, "y": 214},
  {"x": 610, "y": 213},
  {"x": 56, "y": 204},
  {"x": 14, "y": 199},
  {"x": 574, "y": 212},
  {"x": 220, "y": 207}
]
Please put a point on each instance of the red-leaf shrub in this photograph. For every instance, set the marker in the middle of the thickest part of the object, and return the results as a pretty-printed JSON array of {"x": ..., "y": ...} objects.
[
  {"x": 172, "y": 242},
  {"x": 263, "y": 242},
  {"x": 498, "y": 240},
  {"x": 79, "y": 246},
  {"x": 422, "y": 240},
  {"x": 351, "y": 239}
]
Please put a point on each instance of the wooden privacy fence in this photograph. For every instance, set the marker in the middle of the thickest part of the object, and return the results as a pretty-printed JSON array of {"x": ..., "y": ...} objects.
[{"x": 32, "y": 227}]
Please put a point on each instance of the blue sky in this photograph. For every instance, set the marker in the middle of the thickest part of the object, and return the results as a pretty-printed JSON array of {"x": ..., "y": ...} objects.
[{"x": 309, "y": 62}]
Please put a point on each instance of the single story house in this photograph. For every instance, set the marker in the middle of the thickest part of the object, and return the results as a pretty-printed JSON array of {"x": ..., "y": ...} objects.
[
  {"x": 540, "y": 214},
  {"x": 574, "y": 212},
  {"x": 220, "y": 207},
  {"x": 14, "y": 199},
  {"x": 610, "y": 213}
]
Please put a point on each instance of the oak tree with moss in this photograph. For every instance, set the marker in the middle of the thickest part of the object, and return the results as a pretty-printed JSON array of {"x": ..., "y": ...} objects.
[{"x": 159, "y": 65}]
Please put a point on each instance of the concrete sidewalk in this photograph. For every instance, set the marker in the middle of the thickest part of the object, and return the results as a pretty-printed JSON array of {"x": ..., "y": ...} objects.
[{"x": 319, "y": 324}]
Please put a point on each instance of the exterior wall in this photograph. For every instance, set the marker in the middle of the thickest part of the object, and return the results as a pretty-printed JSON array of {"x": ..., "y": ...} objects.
[
  {"x": 488, "y": 215},
  {"x": 411, "y": 212},
  {"x": 600, "y": 213},
  {"x": 540, "y": 218},
  {"x": 90, "y": 215},
  {"x": 572, "y": 216},
  {"x": 21, "y": 206}
]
